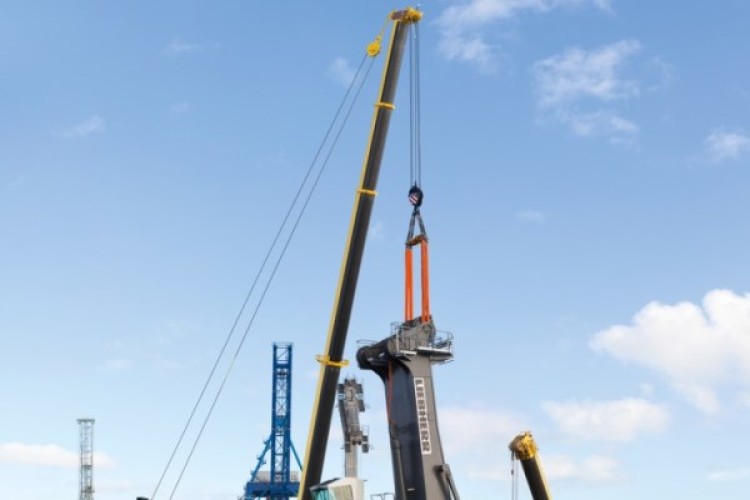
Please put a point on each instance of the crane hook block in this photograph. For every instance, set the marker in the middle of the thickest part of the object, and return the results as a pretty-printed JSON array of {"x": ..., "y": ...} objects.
[{"x": 416, "y": 196}]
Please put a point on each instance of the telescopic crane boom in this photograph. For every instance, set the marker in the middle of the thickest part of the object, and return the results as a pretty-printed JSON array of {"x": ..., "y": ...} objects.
[
  {"x": 524, "y": 449},
  {"x": 351, "y": 404},
  {"x": 332, "y": 361}
]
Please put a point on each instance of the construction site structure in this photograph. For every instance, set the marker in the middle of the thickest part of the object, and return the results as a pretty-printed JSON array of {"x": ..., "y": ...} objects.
[
  {"x": 351, "y": 487},
  {"x": 351, "y": 404},
  {"x": 332, "y": 360},
  {"x": 403, "y": 361},
  {"x": 86, "y": 477},
  {"x": 523, "y": 447},
  {"x": 280, "y": 482}
]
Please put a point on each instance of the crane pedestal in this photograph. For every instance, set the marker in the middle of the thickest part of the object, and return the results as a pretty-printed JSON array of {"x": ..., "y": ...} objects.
[{"x": 404, "y": 362}]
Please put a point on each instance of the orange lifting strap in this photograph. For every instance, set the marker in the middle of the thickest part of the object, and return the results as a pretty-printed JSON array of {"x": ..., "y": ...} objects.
[{"x": 412, "y": 241}]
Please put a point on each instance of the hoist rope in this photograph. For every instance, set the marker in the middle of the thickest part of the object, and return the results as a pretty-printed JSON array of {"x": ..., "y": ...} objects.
[
  {"x": 513, "y": 477},
  {"x": 415, "y": 178},
  {"x": 273, "y": 272}
]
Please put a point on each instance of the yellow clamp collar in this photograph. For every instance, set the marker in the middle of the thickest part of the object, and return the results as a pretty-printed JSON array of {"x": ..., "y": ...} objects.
[{"x": 325, "y": 360}]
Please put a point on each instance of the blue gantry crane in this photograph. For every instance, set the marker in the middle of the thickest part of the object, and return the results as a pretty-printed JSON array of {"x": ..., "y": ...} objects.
[{"x": 280, "y": 482}]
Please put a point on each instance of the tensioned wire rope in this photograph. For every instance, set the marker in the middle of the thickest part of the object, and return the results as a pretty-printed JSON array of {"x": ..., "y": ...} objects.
[
  {"x": 415, "y": 120},
  {"x": 265, "y": 262},
  {"x": 513, "y": 476}
]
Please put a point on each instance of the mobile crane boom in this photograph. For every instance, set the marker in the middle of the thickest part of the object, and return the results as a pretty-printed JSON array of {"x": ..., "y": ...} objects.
[
  {"x": 524, "y": 449},
  {"x": 351, "y": 404},
  {"x": 332, "y": 361}
]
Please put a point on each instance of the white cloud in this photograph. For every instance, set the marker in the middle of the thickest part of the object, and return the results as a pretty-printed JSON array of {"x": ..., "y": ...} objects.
[
  {"x": 621, "y": 420},
  {"x": 473, "y": 435},
  {"x": 729, "y": 474},
  {"x": 49, "y": 455},
  {"x": 91, "y": 125},
  {"x": 663, "y": 72},
  {"x": 456, "y": 46},
  {"x": 341, "y": 71},
  {"x": 472, "y": 428},
  {"x": 594, "y": 469},
  {"x": 494, "y": 470},
  {"x": 532, "y": 216},
  {"x": 722, "y": 146},
  {"x": 117, "y": 486},
  {"x": 178, "y": 47},
  {"x": 597, "y": 123},
  {"x": 461, "y": 25},
  {"x": 579, "y": 88},
  {"x": 479, "y": 12},
  {"x": 377, "y": 231},
  {"x": 578, "y": 74},
  {"x": 699, "y": 349}
]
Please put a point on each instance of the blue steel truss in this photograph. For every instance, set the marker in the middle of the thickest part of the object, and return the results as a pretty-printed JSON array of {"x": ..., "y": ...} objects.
[{"x": 279, "y": 483}]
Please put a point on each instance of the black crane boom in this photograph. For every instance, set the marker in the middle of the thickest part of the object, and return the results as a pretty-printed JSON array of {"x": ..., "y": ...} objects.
[{"x": 332, "y": 360}]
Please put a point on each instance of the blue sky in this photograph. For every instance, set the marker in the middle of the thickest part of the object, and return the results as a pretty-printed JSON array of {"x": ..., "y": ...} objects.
[{"x": 586, "y": 169}]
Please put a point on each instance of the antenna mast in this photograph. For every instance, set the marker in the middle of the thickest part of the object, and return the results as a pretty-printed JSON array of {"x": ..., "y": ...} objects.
[{"x": 86, "y": 426}]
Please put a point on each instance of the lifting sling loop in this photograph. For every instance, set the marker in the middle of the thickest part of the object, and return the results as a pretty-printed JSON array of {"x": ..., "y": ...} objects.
[{"x": 412, "y": 240}]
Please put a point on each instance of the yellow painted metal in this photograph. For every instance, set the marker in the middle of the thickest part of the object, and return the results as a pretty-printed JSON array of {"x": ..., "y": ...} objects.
[
  {"x": 368, "y": 192},
  {"x": 373, "y": 49},
  {"x": 326, "y": 361},
  {"x": 386, "y": 105},
  {"x": 408, "y": 15},
  {"x": 523, "y": 446}
]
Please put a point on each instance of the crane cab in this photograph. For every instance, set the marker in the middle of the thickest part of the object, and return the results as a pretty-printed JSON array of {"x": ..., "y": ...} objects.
[{"x": 347, "y": 488}]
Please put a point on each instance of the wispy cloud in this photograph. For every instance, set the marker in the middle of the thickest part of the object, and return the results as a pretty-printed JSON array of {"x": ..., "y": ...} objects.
[
  {"x": 377, "y": 231},
  {"x": 579, "y": 88},
  {"x": 469, "y": 48},
  {"x": 729, "y": 474},
  {"x": 92, "y": 125},
  {"x": 181, "y": 107},
  {"x": 531, "y": 216},
  {"x": 473, "y": 433},
  {"x": 179, "y": 47},
  {"x": 340, "y": 71},
  {"x": 467, "y": 429},
  {"x": 117, "y": 486},
  {"x": 593, "y": 469},
  {"x": 464, "y": 27},
  {"x": 117, "y": 365},
  {"x": 619, "y": 420},
  {"x": 723, "y": 146},
  {"x": 597, "y": 123},
  {"x": 662, "y": 72},
  {"x": 577, "y": 74},
  {"x": 699, "y": 349},
  {"x": 49, "y": 455}
]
